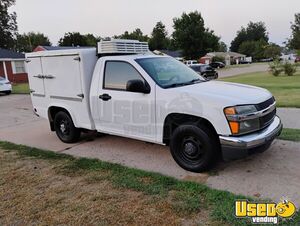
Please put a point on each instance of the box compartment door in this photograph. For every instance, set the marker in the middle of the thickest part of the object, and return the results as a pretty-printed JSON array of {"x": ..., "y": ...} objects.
[
  {"x": 35, "y": 76},
  {"x": 63, "y": 77}
]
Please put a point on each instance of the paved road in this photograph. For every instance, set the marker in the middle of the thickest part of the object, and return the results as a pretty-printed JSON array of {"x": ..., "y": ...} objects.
[
  {"x": 257, "y": 67},
  {"x": 290, "y": 117},
  {"x": 272, "y": 174}
]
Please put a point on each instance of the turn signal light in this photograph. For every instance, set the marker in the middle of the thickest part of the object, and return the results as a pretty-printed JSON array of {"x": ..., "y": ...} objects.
[
  {"x": 229, "y": 111},
  {"x": 235, "y": 127}
]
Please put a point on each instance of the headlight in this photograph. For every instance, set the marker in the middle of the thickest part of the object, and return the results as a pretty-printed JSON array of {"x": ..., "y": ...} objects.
[{"x": 242, "y": 119}]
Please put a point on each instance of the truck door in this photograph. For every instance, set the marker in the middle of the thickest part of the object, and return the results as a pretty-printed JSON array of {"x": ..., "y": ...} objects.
[
  {"x": 63, "y": 77},
  {"x": 129, "y": 114},
  {"x": 35, "y": 76}
]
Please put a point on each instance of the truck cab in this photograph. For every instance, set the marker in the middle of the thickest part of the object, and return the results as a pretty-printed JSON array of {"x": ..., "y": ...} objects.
[{"x": 127, "y": 91}]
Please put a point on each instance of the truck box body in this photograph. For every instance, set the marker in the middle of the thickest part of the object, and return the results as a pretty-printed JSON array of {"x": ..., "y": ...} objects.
[{"x": 63, "y": 79}]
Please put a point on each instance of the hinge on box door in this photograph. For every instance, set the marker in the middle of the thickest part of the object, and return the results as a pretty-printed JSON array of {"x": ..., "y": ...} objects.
[
  {"x": 27, "y": 60},
  {"x": 77, "y": 58},
  {"x": 32, "y": 91},
  {"x": 81, "y": 95}
]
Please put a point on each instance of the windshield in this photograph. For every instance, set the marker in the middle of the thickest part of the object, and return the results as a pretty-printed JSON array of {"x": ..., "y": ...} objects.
[
  {"x": 1, "y": 78},
  {"x": 168, "y": 72}
]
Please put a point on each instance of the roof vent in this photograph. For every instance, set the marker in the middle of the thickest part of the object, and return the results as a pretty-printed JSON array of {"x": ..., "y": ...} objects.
[{"x": 122, "y": 46}]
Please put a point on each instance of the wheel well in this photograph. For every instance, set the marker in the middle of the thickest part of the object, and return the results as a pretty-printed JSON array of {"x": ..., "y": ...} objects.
[
  {"x": 174, "y": 120},
  {"x": 52, "y": 111}
]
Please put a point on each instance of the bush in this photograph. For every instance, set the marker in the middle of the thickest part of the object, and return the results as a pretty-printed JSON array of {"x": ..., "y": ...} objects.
[
  {"x": 289, "y": 69},
  {"x": 276, "y": 68}
]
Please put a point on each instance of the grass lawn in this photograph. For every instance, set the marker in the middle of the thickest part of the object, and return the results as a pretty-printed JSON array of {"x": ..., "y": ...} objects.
[
  {"x": 290, "y": 134},
  {"x": 22, "y": 88},
  {"x": 286, "y": 89},
  {"x": 42, "y": 187}
]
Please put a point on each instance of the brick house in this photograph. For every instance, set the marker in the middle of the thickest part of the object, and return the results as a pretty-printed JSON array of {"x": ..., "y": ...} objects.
[{"x": 12, "y": 66}]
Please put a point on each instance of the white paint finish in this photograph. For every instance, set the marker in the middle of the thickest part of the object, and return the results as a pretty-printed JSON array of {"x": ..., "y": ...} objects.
[
  {"x": 125, "y": 109},
  {"x": 70, "y": 78}
]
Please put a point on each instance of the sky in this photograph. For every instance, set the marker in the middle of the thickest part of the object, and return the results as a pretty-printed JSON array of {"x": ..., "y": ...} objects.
[{"x": 113, "y": 17}]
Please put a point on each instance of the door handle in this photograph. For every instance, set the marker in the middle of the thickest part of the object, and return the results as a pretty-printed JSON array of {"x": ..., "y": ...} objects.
[
  {"x": 49, "y": 76},
  {"x": 105, "y": 97},
  {"x": 38, "y": 76}
]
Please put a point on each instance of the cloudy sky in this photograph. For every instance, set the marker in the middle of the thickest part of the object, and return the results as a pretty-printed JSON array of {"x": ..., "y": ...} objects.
[{"x": 110, "y": 17}]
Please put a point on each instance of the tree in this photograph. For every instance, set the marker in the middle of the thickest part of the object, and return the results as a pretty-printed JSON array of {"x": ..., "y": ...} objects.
[
  {"x": 211, "y": 42},
  {"x": 92, "y": 40},
  {"x": 8, "y": 25},
  {"x": 192, "y": 37},
  {"x": 294, "y": 42},
  {"x": 222, "y": 47},
  {"x": 256, "y": 49},
  {"x": 272, "y": 51},
  {"x": 77, "y": 39},
  {"x": 137, "y": 34},
  {"x": 253, "y": 32},
  {"x": 159, "y": 39},
  {"x": 27, "y": 42}
]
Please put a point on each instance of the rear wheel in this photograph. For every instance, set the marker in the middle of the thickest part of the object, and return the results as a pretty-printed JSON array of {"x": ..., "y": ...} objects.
[
  {"x": 65, "y": 129},
  {"x": 193, "y": 148},
  {"x": 8, "y": 92}
]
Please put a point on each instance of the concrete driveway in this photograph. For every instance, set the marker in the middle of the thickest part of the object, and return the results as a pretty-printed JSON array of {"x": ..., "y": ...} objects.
[
  {"x": 273, "y": 174},
  {"x": 243, "y": 69}
]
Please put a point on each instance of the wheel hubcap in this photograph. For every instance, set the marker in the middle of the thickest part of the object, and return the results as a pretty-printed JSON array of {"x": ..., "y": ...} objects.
[
  {"x": 62, "y": 128},
  {"x": 192, "y": 149}
]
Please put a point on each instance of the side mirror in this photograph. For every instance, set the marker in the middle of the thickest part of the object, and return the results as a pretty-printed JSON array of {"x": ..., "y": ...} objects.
[{"x": 137, "y": 86}]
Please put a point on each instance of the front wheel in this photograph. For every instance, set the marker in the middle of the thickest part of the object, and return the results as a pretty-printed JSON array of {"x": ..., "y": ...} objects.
[
  {"x": 65, "y": 129},
  {"x": 193, "y": 148}
]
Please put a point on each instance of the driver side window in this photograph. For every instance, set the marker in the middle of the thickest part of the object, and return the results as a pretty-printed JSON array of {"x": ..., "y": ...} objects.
[{"x": 118, "y": 73}]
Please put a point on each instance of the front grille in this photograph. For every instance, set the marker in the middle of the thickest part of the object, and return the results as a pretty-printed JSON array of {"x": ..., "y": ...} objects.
[
  {"x": 265, "y": 104},
  {"x": 267, "y": 119}
]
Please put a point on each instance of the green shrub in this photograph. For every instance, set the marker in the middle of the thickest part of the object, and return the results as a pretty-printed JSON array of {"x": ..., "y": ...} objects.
[
  {"x": 276, "y": 68},
  {"x": 218, "y": 59},
  {"x": 289, "y": 69}
]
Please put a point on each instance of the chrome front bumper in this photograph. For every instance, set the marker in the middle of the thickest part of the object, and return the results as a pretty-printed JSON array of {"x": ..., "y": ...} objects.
[{"x": 238, "y": 147}]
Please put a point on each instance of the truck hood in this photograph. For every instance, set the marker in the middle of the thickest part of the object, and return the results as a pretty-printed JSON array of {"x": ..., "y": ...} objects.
[{"x": 228, "y": 93}]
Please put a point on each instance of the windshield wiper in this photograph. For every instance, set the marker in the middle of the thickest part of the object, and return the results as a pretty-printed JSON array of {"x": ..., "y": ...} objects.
[
  {"x": 194, "y": 81},
  {"x": 184, "y": 83}
]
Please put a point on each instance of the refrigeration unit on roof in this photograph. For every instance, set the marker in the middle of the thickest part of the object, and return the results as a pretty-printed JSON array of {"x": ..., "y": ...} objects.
[{"x": 122, "y": 46}]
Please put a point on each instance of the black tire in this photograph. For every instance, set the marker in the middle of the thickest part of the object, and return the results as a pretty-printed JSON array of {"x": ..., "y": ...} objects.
[
  {"x": 65, "y": 129},
  {"x": 7, "y": 92},
  {"x": 194, "y": 148}
]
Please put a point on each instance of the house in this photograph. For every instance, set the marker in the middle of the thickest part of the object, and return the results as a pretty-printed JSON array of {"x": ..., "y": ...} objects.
[
  {"x": 12, "y": 66},
  {"x": 229, "y": 57}
]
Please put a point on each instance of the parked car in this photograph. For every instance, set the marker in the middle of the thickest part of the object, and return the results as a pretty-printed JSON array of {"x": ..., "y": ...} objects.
[
  {"x": 190, "y": 62},
  {"x": 205, "y": 70},
  {"x": 122, "y": 90},
  {"x": 245, "y": 62},
  {"x": 217, "y": 65},
  {"x": 5, "y": 86}
]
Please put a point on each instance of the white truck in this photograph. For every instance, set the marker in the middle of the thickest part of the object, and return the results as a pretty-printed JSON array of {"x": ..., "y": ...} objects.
[{"x": 120, "y": 88}]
